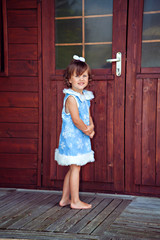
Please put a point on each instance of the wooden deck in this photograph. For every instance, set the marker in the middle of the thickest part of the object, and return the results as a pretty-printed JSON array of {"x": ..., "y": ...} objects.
[{"x": 28, "y": 214}]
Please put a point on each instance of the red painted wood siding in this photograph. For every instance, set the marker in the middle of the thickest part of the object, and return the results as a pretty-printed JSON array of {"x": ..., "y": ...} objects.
[{"x": 20, "y": 97}]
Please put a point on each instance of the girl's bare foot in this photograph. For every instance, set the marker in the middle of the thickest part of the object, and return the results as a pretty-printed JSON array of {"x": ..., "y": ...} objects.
[
  {"x": 64, "y": 203},
  {"x": 80, "y": 205}
]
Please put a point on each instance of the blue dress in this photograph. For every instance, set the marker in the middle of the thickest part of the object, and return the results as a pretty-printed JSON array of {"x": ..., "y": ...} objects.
[{"x": 74, "y": 145}]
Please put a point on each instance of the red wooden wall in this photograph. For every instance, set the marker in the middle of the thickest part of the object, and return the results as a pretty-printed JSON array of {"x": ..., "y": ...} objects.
[{"x": 20, "y": 97}]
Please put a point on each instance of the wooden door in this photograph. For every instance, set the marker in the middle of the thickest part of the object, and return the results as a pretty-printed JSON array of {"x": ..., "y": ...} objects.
[
  {"x": 97, "y": 31},
  {"x": 142, "y": 122}
]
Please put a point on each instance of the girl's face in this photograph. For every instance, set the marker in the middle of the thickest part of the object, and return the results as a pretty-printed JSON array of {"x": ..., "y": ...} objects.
[{"x": 79, "y": 82}]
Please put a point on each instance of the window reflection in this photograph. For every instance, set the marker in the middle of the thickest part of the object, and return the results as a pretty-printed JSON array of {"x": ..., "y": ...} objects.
[
  {"x": 99, "y": 7},
  {"x": 95, "y": 55},
  {"x": 67, "y": 8},
  {"x": 151, "y": 34},
  {"x": 64, "y": 55},
  {"x": 98, "y": 29},
  {"x": 68, "y": 31}
]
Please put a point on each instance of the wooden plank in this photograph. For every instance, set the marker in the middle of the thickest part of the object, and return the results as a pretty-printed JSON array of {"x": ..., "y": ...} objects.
[
  {"x": 51, "y": 215},
  {"x": 21, "y": 4},
  {"x": 23, "y": 115},
  {"x": 40, "y": 102},
  {"x": 18, "y": 99},
  {"x": 22, "y": 35},
  {"x": 148, "y": 132},
  {"x": 45, "y": 235},
  {"x": 4, "y": 200},
  {"x": 111, "y": 218},
  {"x": 67, "y": 216},
  {"x": 12, "y": 213},
  {"x": 22, "y": 18},
  {"x": 18, "y": 177},
  {"x": 28, "y": 209},
  {"x": 100, "y": 139},
  {"x": 138, "y": 133},
  {"x": 20, "y": 130},
  {"x": 23, "y": 51},
  {"x": 61, "y": 170},
  {"x": 110, "y": 131},
  {"x": 3, "y": 194},
  {"x": 36, "y": 210},
  {"x": 158, "y": 136},
  {"x": 50, "y": 211},
  {"x": 99, "y": 205},
  {"x": 9, "y": 206},
  {"x": 48, "y": 49},
  {"x": 133, "y": 43},
  {"x": 23, "y": 68},
  {"x": 19, "y": 84},
  {"x": 18, "y": 145},
  {"x": 147, "y": 75},
  {"x": 150, "y": 70},
  {"x": 91, "y": 226},
  {"x": 18, "y": 161},
  {"x": 54, "y": 144},
  {"x": 119, "y": 42},
  {"x": 79, "y": 214}
]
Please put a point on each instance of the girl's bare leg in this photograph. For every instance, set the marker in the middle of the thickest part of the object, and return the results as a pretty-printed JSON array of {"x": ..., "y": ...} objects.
[
  {"x": 76, "y": 203},
  {"x": 65, "y": 200}
]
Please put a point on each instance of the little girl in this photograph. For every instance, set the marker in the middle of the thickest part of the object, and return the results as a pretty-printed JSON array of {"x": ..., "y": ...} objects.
[{"x": 77, "y": 129}]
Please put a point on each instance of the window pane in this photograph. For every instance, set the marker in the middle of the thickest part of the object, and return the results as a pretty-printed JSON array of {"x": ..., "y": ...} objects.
[
  {"x": 151, "y": 5},
  {"x": 64, "y": 55},
  {"x": 67, "y": 8},
  {"x": 68, "y": 31},
  {"x": 1, "y": 40},
  {"x": 98, "y": 7},
  {"x": 151, "y": 55},
  {"x": 96, "y": 55},
  {"x": 151, "y": 34},
  {"x": 151, "y": 26},
  {"x": 98, "y": 29}
]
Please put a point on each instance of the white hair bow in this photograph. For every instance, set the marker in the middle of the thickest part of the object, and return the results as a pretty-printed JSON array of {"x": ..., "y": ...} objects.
[{"x": 82, "y": 59}]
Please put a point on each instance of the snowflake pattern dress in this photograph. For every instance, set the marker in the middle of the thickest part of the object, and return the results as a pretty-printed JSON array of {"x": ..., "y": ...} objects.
[{"x": 74, "y": 145}]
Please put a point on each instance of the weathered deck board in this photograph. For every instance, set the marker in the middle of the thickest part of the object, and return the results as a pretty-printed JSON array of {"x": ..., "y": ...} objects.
[
  {"x": 28, "y": 214},
  {"x": 101, "y": 217},
  {"x": 102, "y": 203},
  {"x": 33, "y": 211}
]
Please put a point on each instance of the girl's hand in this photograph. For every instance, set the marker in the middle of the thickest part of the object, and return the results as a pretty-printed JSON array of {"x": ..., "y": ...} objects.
[
  {"x": 92, "y": 134},
  {"x": 89, "y": 131}
]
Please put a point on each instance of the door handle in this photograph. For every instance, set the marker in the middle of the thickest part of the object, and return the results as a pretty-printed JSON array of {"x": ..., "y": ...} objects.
[{"x": 118, "y": 63}]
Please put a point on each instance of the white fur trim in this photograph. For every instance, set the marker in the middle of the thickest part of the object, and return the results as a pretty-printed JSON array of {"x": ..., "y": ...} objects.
[{"x": 79, "y": 160}]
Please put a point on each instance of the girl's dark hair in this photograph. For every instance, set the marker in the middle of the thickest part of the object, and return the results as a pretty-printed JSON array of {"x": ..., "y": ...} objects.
[{"x": 79, "y": 68}]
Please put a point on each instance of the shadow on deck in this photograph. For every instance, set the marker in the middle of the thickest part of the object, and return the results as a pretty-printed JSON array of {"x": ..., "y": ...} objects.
[{"x": 33, "y": 214}]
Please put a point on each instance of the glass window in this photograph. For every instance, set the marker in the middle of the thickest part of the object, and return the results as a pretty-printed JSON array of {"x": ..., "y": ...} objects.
[
  {"x": 84, "y": 28},
  {"x": 151, "y": 34},
  {"x": 1, "y": 40}
]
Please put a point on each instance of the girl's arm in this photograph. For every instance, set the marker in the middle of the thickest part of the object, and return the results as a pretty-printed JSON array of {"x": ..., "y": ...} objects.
[{"x": 72, "y": 108}]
